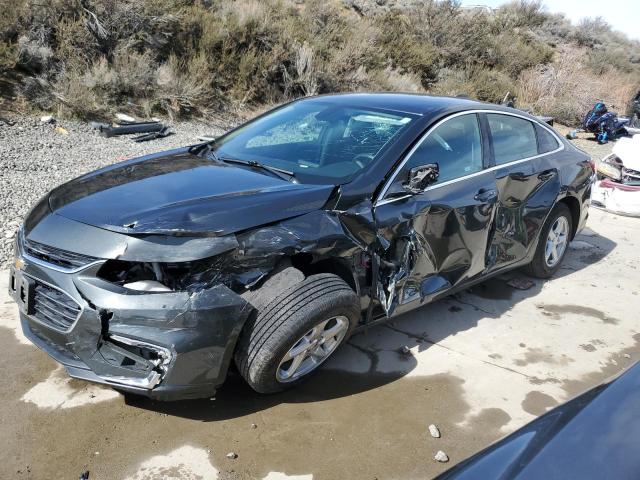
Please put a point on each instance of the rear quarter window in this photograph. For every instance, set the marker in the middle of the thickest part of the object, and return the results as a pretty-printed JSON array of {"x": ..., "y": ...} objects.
[
  {"x": 514, "y": 138},
  {"x": 546, "y": 141}
]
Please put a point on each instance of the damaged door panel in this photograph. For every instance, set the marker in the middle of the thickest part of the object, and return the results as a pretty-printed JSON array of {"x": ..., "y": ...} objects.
[
  {"x": 267, "y": 247},
  {"x": 438, "y": 237},
  {"x": 437, "y": 240}
]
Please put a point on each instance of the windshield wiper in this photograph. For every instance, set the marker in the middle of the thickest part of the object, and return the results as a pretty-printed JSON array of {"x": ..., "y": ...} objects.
[{"x": 279, "y": 172}]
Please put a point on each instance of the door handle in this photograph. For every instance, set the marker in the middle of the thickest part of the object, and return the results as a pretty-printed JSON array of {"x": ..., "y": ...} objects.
[
  {"x": 486, "y": 195},
  {"x": 546, "y": 175}
]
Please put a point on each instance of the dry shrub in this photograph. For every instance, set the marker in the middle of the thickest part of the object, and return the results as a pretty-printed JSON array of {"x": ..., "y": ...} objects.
[
  {"x": 567, "y": 88},
  {"x": 179, "y": 57},
  {"x": 184, "y": 86},
  {"x": 304, "y": 76},
  {"x": 486, "y": 85},
  {"x": 396, "y": 81},
  {"x": 129, "y": 74}
]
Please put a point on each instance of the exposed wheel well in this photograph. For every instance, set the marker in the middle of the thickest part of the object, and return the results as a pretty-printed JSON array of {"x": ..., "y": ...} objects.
[
  {"x": 574, "y": 207},
  {"x": 337, "y": 266}
]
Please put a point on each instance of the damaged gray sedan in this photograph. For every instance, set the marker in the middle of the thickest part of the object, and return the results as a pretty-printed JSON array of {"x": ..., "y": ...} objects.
[{"x": 269, "y": 246}]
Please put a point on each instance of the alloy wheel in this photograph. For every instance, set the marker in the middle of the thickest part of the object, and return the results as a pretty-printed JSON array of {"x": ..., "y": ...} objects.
[
  {"x": 313, "y": 348},
  {"x": 557, "y": 241}
]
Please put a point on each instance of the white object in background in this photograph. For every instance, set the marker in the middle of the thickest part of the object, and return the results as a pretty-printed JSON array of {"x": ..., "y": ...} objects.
[
  {"x": 124, "y": 118},
  {"x": 616, "y": 198},
  {"x": 628, "y": 151}
]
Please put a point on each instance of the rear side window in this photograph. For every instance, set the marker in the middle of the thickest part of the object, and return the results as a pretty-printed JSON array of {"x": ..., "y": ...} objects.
[
  {"x": 546, "y": 141},
  {"x": 514, "y": 138}
]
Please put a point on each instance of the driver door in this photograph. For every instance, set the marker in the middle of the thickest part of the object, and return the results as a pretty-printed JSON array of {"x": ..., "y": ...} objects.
[{"x": 436, "y": 239}]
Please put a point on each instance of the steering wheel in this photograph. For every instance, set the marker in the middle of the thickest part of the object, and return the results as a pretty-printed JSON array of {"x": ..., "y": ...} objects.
[{"x": 364, "y": 156}]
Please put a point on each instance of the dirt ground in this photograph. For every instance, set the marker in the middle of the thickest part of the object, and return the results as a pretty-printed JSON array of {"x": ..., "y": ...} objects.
[{"x": 481, "y": 364}]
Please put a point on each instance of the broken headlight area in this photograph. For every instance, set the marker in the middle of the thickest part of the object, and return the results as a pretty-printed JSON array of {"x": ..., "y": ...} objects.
[
  {"x": 623, "y": 164},
  {"x": 610, "y": 166},
  {"x": 189, "y": 276}
]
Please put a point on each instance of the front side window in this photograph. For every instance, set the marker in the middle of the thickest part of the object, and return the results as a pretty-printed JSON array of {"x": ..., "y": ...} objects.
[
  {"x": 454, "y": 145},
  {"x": 514, "y": 138},
  {"x": 320, "y": 142}
]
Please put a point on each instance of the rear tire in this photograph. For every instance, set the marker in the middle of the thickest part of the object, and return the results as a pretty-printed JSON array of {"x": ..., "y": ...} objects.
[
  {"x": 545, "y": 263},
  {"x": 297, "y": 320}
]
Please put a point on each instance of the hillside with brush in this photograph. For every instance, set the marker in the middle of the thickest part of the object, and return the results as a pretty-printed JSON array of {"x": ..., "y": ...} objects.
[{"x": 87, "y": 58}]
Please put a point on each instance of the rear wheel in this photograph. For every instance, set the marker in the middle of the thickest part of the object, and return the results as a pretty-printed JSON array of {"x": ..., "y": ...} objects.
[
  {"x": 296, "y": 332},
  {"x": 553, "y": 243}
]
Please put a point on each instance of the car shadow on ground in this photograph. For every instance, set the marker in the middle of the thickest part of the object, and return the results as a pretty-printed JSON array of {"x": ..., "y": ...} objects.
[{"x": 367, "y": 363}]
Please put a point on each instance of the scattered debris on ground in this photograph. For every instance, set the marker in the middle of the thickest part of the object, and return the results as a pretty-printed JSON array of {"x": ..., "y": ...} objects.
[
  {"x": 434, "y": 431},
  {"x": 441, "y": 457},
  {"x": 617, "y": 188},
  {"x": 127, "y": 128},
  {"x": 232, "y": 455},
  {"x": 521, "y": 283},
  {"x": 605, "y": 125},
  {"x": 125, "y": 118}
]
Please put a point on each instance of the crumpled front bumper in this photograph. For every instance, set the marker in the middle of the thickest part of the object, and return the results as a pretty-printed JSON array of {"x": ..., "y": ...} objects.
[{"x": 166, "y": 346}]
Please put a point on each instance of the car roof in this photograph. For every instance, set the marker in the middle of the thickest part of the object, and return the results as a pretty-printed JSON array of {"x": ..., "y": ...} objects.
[{"x": 417, "y": 104}]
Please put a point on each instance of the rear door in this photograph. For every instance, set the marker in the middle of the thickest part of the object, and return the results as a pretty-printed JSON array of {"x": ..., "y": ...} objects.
[
  {"x": 527, "y": 187},
  {"x": 436, "y": 239}
]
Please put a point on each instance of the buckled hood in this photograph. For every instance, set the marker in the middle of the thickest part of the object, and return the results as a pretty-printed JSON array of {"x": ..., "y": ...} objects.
[{"x": 179, "y": 193}]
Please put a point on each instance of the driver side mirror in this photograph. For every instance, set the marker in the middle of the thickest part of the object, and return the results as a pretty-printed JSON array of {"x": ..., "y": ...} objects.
[{"x": 421, "y": 177}]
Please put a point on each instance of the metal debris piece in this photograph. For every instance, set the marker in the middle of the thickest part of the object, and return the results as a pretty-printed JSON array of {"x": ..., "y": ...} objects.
[
  {"x": 47, "y": 119},
  {"x": 520, "y": 283},
  {"x": 232, "y": 455},
  {"x": 434, "y": 431},
  {"x": 441, "y": 457},
  {"x": 206, "y": 138},
  {"x": 165, "y": 132},
  {"x": 125, "y": 118},
  {"x": 128, "y": 128}
]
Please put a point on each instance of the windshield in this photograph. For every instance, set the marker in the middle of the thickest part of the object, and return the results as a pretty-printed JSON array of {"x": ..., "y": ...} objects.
[{"x": 319, "y": 142}]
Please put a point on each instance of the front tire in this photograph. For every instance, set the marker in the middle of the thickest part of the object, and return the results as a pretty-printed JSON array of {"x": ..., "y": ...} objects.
[
  {"x": 296, "y": 332},
  {"x": 553, "y": 243}
]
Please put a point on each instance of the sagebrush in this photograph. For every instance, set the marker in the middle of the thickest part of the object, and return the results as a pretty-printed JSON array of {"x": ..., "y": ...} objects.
[{"x": 87, "y": 58}]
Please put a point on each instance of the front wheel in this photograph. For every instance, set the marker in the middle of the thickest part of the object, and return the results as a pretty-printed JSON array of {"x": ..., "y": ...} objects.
[
  {"x": 553, "y": 243},
  {"x": 296, "y": 332}
]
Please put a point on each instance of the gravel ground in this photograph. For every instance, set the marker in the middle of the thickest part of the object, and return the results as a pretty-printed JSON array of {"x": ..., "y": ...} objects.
[{"x": 34, "y": 158}]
